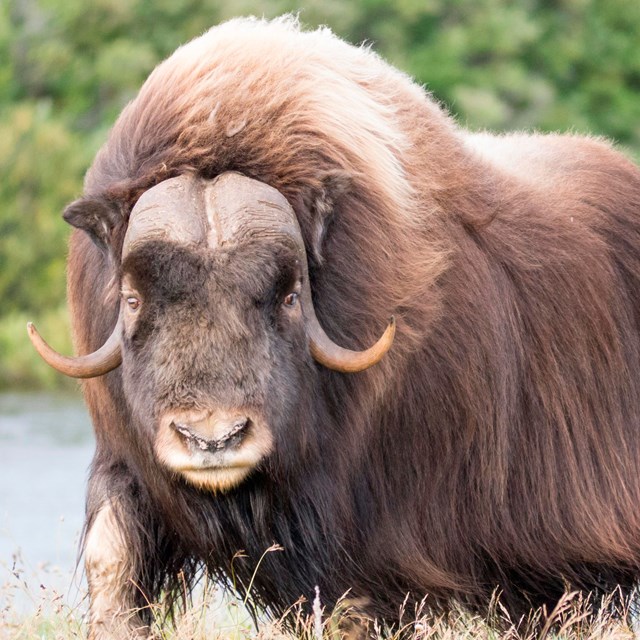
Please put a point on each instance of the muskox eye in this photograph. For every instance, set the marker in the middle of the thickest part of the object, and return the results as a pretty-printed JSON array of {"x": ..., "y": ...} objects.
[
  {"x": 291, "y": 300},
  {"x": 133, "y": 303}
]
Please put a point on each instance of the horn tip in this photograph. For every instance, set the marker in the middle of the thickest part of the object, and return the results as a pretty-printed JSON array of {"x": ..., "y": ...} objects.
[
  {"x": 36, "y": 339},
  {"x": 391, "y": 329},
  {"x": 31, "y": 330}
]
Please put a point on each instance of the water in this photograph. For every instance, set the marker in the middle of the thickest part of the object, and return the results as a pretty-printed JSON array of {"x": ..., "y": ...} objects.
[{"x": 46, "y": 444}]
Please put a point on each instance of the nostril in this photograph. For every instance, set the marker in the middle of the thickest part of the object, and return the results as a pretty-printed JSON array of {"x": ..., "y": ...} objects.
[
  {"x": 189, "y": 437},
  {"x": 234, "y": 436},
  {"x": 239, "y": 424}
]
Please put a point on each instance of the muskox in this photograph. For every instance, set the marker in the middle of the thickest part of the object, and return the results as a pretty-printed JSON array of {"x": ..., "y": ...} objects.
[{"x": 263, "y": 207}]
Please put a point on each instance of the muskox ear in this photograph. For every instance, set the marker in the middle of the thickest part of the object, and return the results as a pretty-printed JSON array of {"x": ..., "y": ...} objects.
[
  {"x": 335, "y": 185},
  {"x": 96, "y": 217}
]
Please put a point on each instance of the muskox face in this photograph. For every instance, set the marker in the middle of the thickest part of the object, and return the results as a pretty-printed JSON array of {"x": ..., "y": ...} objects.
[
  {"x": 216, "y": 325},
  {"x": 212, "y": 352}
]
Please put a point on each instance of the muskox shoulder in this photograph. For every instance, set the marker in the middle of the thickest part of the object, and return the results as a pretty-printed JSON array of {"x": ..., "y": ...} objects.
[{"x": 544, "y": 160}]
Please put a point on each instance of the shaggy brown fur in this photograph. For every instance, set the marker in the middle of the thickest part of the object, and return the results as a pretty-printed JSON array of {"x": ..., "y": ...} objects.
[{"x": 496, "y": 445}]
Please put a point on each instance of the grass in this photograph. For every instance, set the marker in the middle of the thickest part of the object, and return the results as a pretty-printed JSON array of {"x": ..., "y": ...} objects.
[
  {"x": 213, "y": 615},
  {"x": 32, "y": 610}
]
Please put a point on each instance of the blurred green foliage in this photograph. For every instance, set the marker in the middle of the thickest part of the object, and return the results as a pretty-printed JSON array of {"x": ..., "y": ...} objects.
[{"x": 69, "y": 66}]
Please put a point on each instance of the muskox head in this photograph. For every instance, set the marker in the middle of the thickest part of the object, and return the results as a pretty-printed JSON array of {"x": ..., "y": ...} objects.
[{"x": 216, "y": 320}]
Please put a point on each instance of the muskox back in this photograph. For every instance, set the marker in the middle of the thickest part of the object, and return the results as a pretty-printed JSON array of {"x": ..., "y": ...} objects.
[{"x": 494, "y": 446}]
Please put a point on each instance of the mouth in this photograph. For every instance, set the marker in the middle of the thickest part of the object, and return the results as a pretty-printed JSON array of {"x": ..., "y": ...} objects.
[{"x": 214, "y": 450}]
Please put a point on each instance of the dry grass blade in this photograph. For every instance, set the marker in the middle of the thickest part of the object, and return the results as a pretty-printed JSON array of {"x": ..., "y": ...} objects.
[{"x": 214, "y": 616}]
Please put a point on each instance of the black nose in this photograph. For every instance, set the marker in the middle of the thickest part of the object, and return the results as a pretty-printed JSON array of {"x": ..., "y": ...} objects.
[{"x": 231, "y": 438}]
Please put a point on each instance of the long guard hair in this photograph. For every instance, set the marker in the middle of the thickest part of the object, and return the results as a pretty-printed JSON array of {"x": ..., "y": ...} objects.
[{"x": 497, "y": 445}]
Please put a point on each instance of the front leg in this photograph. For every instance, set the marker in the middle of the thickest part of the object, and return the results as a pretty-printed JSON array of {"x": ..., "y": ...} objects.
[{"x": 112, "y": 578}]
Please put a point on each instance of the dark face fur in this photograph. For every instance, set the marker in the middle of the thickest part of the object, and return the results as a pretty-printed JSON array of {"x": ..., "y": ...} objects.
[
  {"x": 216, "y": 322},
  {"x": 213, "y": 346}
]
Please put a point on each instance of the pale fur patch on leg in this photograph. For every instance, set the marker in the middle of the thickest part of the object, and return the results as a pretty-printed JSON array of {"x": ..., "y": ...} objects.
[{"x": 109, "y": 575}]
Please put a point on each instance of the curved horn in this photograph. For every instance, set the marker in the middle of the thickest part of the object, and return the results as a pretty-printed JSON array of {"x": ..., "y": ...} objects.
[
  {"x": 242, "y": 206},
  {"x": 105, "y": 359},
  {"x": 332, "y": 356}
]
